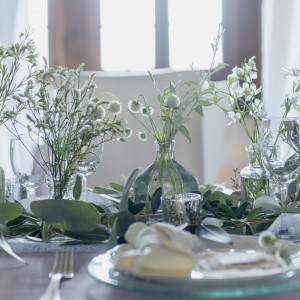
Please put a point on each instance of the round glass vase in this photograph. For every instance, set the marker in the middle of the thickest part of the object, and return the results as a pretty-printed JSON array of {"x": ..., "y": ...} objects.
[
  {"x": 165, "y": 173},
  {"x": 254, "y": 181}
]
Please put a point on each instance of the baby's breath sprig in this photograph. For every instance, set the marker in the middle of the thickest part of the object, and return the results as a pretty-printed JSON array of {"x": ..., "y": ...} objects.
[
  {"x": 68, "y": 118},
  {"x": 11, "y": 57}
]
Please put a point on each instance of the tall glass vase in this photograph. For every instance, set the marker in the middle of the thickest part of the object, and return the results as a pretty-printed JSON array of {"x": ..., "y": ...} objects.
[
  {"x": 165, "y": 173},
  {"x": 254, "y": 181}
]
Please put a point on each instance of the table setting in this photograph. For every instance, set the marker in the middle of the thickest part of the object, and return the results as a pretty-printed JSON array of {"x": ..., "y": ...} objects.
[{"x": 162, "y": 234}]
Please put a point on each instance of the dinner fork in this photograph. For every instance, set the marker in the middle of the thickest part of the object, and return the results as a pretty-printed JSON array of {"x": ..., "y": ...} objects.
[{"x": 63, "y": 267}]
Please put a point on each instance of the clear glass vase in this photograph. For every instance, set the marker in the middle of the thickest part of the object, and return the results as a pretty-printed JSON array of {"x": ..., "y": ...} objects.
[
  {"x": 254, "y": 181},
  {"x": 165, "y": 172},
  {"x": 59, "y": 188}
]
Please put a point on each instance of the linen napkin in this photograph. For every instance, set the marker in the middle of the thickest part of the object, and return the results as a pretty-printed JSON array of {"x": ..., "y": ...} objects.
[{"x": 159, "y": 249}]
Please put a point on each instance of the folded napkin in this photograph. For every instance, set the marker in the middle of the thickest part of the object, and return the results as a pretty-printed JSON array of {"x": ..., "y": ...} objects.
[{"x": 159, "y": 249}]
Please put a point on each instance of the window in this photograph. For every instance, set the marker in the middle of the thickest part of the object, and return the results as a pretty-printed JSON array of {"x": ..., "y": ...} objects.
[{"x": 174, "y": 33}]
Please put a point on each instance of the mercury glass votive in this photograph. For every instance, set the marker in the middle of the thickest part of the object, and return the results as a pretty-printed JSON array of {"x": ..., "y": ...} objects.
[{"x": 180, "y": 208}]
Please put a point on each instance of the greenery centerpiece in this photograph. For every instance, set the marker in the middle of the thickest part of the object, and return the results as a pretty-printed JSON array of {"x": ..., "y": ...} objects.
[
  {"x": 67, "y": 117},
  {"x": 176, "y": 103}
]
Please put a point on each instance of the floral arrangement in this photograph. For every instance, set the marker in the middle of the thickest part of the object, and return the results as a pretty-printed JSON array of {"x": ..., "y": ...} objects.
[
  {"x": 176, "y": 103},
  {"x": 67, "y": 118},
  {"x": 11, "y": 58}
]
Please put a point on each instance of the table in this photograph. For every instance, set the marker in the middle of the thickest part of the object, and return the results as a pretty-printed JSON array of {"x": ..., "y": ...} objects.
[{"x": 28, "y": 282}]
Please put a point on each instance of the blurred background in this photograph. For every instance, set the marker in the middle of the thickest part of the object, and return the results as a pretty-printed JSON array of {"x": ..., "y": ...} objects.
[{"x": 120, "y": 40}]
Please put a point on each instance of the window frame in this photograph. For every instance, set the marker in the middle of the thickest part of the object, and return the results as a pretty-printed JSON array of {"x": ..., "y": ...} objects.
[{"x": 75, "y": 24}]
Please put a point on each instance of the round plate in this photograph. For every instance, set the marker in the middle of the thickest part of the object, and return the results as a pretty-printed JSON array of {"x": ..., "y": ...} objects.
[{"x": 102, "y": 268}]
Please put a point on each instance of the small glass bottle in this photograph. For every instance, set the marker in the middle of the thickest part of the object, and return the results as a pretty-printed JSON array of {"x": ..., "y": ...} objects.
[
  {"x": 164, "y": 172},
  {"x": 254, "y": 181}
]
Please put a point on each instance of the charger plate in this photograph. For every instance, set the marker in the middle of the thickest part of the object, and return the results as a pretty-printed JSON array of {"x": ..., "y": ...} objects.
[{"x": 218, "y": 284}]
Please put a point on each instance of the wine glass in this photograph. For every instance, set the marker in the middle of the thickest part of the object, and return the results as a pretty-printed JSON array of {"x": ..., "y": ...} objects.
[
  {"x": 90, "y": 162},
  {"x": 27, "y": 162},
  {"x": 280, "y": 153}
]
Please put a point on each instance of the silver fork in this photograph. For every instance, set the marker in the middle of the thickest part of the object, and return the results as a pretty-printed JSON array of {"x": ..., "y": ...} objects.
[{"x": 63, "y": 267}]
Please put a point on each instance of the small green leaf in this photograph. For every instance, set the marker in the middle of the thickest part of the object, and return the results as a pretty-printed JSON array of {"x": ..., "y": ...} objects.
[
  {"x": 151, "y": 77},
  {"x": 10, "y": 211},
  {"x": 136, "y": 208},
  {"x": 155, "y": 200},
  {"x": 112, "y": 241},
  {"x": 77, "y": 188},
  {"x": 124, "y": 220},
  {"x": 293, "y": 207},
  {"x": 129, "y": 183},
  {"x": 183, "y": 130},
  {"x": 204, "y": 103},
  {"x": 213, "y": 233},
  {"x": 97, "y": 234},
  {"x": 198, "y": 109},
  {"x": 116, "y": 187},
  {"x": 227, "y": 210},
  {"x": 253, "y": 213},
  {"x": 241, "y": 210}
]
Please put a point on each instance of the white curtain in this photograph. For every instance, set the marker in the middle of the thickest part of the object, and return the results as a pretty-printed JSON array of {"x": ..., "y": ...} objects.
[
  {"x": 280, "y": 48},
  {"x": 13, "y": 21}
]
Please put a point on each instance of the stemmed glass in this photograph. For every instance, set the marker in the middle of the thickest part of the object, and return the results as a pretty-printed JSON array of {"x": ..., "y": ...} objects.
[
  {"x": 90, "y": 162},
  {"x": 280, "y": 152},
  {"x": 27, "y": 162}
]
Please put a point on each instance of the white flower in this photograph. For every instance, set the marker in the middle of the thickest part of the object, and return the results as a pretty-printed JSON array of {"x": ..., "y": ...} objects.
[
  {"x": 98, "y": 113},
  {"x": 127, "y": 133},
  {"x": 145, "y": 111},
  {"x": 249, "y": 73},
  {"x": 123, "y": 123},
  {"x": 233, "y": 79},
  {"x": 291, "y": 72},
  {"x": 142, "y": 136},
  {"x": 134, "y": 105},
  {"x": 251, "y": 63},
  {"x": 257, "y": 109},
  {"x": 172, "y": 101},
  {"x": 115, "y": 107},
  {"x": 238, "y": 71},
  {"x": 266, "y": 239},
  {"x": 235, "y": 117}
]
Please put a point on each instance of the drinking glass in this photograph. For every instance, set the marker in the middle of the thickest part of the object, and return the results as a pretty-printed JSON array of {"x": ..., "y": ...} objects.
[
  {"x": 280, "y": 153},
  {"x": 89, "y": 163},
  {"x": 27, "y": 162}
]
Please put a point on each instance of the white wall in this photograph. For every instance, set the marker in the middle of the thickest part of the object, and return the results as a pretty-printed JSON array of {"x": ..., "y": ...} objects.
[{"x": 202, "y": 157}]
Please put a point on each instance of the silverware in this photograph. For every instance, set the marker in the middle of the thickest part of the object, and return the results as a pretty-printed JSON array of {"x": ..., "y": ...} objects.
[{"x": 63, "y": 267}]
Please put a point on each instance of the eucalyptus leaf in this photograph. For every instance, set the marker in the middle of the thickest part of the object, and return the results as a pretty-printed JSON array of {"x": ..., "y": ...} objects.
[
  {"x": 213, "y": 233},
  {"x": 6, "y": 247},
  {"x": 10, "y": 211},
  {"x": 268, "y": 203},
  {"x": 102, "y": 190},
  {"x": 129, "y": 183},
  {"x": 117, "y": 187},
  {"x": 97, "y": 234},
  {"x": 70, "y": 215},
  {"x": 112, "y": 241},
  {"x": 241, "y": 210},
  {"x": 155, "y": 200},
  {"x": 293, "y": 207},
  {"x": 77, "y": 188}
]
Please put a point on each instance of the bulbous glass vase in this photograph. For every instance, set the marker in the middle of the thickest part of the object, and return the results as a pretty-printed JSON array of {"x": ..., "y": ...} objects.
[
  {"x": 165, "y": 173},
  {"x": 254, "y": 181}
]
